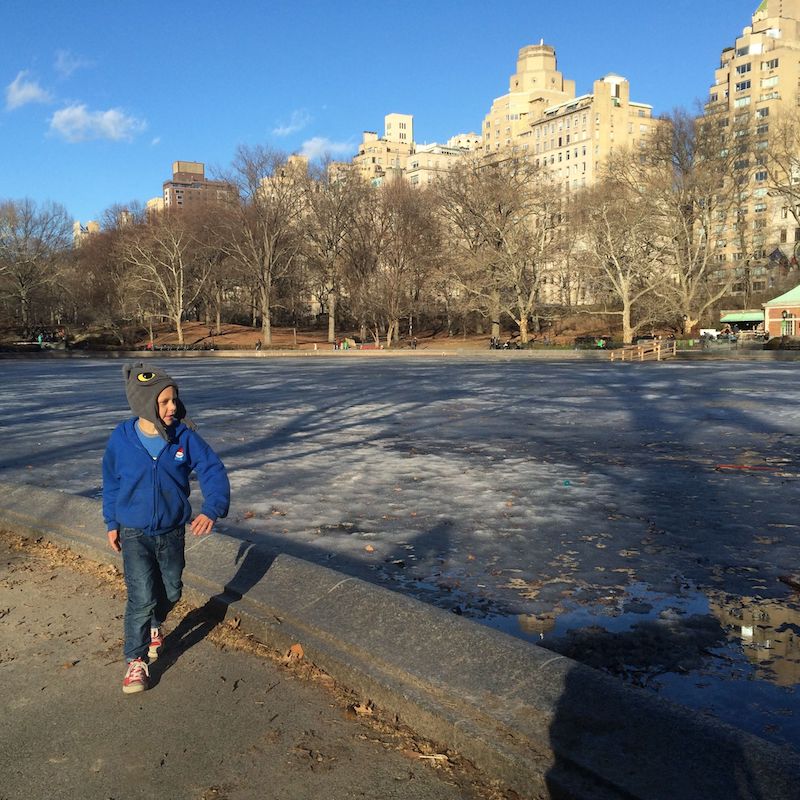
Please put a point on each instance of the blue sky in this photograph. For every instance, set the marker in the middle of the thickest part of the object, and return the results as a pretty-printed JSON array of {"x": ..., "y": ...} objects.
[{"x": 99, "y": 98}]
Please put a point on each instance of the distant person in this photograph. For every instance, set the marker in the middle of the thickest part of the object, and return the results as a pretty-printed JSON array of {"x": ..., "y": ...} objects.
[
  {"x": 258, "y": 345},
  {"x": 414, "y": 343},
  {"x": 146, "y": 470}
]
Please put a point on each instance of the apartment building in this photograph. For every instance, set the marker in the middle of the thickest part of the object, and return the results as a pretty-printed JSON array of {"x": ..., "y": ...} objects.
[
  {"x": 189, "y": 187},
  {"x": 382, "y": 158},
  {"x": 81, "y": 232},
  {"x": 429, "y": 161},
  {"x": 536, "y": 84},
  {"x": 757, "y": 81},
  {"x": 572, "y": 139},
  {"x": 570, "y": 136}
]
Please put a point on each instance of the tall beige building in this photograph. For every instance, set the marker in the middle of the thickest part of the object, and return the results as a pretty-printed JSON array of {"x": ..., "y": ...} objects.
[
  {"x": 428, "y": 161},
  {"x": 536, "y": 84},
  {"x": 381, "y": 158},
  {"x": 756, "y": 80},
  {"x": 572, "y": 139},
  {"x": 570, "y": 136}
]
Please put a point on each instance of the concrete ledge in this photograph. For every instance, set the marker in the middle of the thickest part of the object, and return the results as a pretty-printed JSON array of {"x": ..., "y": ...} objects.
[{"x": 541, "y": 724}]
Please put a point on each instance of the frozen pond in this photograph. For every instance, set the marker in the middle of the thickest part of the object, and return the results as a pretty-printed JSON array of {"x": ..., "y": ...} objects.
[{"x": 579, "y": 505}]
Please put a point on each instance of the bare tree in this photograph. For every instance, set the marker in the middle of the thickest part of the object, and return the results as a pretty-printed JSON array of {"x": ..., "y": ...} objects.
[
  {"x": 503, "y": 222},
  {"x": 263, "y": 235},
  {"x": 624, "y": 252},
  {"x": 332, "y": 195},
  {"x": 363, "y": 252},
  {"x": 693, "y": 178},
  {"x": 207, "y": 224},
  {"x": 410, "y": 248},
  {"x": 34, "y": 243},
  {"x": 167, "y": 264}
]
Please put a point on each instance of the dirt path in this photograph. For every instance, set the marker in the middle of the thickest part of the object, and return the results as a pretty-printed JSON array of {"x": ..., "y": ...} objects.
[{"x": 224, "y": 719}]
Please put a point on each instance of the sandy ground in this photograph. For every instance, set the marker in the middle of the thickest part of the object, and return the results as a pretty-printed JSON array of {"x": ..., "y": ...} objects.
[
  {"x": 225, "y": 718},
  {"x": 239, "y": 336}
]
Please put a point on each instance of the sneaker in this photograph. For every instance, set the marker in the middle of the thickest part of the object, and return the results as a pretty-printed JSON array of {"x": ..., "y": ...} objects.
[
  {"x": 137, "y": 677},
  {"x": 156, "y": 641}
]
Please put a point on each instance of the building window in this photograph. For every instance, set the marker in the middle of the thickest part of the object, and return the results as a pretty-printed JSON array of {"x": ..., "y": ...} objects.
[
  {"x": 771, "y": 64},
  {"x": 761, "y": 175},
  {"x": 742, "y": 101},
  {"x": 743, "y": 86},
  {"x": 768, "y": 83},
  {"x": 761, "y": 113},
  {"x": 743, "y": 68}
]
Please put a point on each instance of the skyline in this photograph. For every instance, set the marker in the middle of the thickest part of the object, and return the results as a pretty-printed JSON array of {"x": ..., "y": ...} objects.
[{"x": 97, "y": 104}]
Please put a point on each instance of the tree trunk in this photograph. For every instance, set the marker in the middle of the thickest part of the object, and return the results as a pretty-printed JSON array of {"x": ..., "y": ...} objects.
[
  {"x": 494, "y": 312},
  {"x": 523, "y": 329},
  {"x": 627, "y": 331},
  {"x": 266, "y": 330},
  {"x": 332, "y": 317},
  {"x": 179, "y": 328}
]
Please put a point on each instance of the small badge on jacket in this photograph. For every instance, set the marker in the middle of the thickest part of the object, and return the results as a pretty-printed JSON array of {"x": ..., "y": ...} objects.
[{"x": 179, "y": 454}]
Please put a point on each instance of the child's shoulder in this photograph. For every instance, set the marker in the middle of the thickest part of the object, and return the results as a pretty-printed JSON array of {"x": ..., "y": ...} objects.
[{"x": 123, "y": 429}]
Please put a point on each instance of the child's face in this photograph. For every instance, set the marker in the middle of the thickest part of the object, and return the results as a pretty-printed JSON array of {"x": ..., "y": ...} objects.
[{"x": 168, "y": 405}]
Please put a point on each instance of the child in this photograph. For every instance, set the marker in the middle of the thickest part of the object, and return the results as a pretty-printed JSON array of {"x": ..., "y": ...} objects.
[{"x": 146, "y": 470}]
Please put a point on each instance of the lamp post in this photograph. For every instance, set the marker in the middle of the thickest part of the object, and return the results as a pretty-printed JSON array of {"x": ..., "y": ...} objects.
[{"x": 785, "y": 323}]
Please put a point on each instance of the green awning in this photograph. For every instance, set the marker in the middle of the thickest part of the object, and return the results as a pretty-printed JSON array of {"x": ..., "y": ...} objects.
[{"x": 743, "y": 316}]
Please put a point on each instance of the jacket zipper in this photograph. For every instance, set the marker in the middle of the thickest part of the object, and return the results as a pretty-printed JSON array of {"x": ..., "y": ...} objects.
[{"x": 155, "y": 493}]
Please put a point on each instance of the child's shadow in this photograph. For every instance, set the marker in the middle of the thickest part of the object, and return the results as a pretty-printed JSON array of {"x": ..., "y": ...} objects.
[{"x": 199, "y": 622}]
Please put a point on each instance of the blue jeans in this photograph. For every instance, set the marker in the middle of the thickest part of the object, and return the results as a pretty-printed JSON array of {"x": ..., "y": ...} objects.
[{"x": 153, "y": 567}]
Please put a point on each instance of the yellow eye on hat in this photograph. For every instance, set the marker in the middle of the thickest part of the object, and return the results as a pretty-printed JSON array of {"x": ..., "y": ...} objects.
[{"x": 145, "y": 377}]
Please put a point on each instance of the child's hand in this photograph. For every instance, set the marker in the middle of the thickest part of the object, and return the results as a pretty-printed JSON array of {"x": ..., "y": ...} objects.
[
  {"x": 113, "y": 540},
  {"x": 201, "y": 524}
]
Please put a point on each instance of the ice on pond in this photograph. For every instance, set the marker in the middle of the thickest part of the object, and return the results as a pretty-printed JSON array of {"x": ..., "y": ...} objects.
[{"x": 580, "y": 494}]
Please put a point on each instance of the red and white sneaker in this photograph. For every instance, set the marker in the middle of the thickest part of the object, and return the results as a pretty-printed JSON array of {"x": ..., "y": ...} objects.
[
  {"x": 156, "y": 640},
  {"x": 137, "y": 677}
]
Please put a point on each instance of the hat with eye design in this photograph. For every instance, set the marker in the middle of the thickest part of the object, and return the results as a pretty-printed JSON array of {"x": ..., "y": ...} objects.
[{"x": 143, "y": 385}]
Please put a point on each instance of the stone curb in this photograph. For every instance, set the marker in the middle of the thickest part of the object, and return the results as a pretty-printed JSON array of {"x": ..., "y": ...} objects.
[{"x": 539, "y": 723}]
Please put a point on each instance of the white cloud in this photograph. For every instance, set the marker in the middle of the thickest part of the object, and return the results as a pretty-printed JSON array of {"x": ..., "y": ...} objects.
[
  {"x": 318, "y": 147},
  {"x": 298, "y": 121},
  {"x": 23, "y": 90},
  {"x": 155, "y": 141},
  {"x": 77, "y": 124},
  {"x": 66, "y": 63}
]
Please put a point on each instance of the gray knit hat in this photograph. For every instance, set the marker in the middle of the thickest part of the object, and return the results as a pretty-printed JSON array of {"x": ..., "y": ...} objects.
[{"x": 143, "y": 385}]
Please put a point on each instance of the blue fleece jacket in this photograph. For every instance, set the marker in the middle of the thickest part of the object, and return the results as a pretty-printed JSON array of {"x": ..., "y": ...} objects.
[{"x": 153, "y": 495}]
